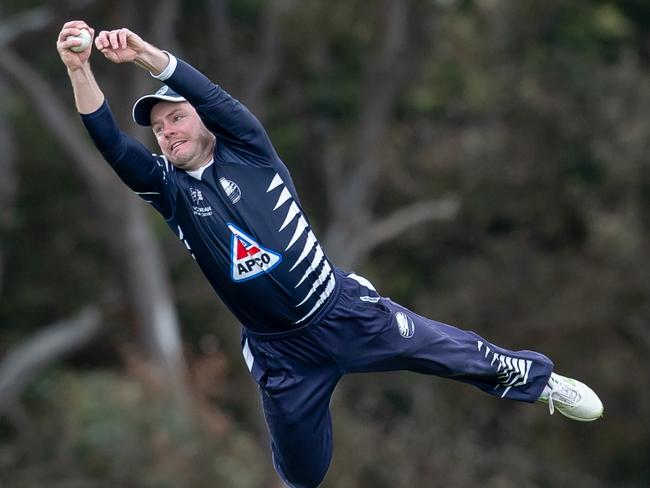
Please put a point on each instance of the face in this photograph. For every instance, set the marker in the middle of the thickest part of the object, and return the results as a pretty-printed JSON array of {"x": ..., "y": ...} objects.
[{"x": 181, "y": 135}]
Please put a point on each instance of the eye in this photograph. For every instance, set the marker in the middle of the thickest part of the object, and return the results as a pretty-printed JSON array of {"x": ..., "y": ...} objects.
[{"x": 178, "y": 117}]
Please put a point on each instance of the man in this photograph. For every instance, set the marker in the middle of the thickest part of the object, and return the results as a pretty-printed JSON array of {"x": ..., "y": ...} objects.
[{"x": 224, "y": 191}]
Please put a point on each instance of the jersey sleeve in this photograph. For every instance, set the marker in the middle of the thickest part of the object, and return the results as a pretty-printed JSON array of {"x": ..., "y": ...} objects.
[
  {"x": 145, "y": 173},
  {"x": 222, "y": 114}
]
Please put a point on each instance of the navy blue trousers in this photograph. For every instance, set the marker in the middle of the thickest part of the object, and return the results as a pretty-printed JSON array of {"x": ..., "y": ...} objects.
[{"x": 363, "y": 332}]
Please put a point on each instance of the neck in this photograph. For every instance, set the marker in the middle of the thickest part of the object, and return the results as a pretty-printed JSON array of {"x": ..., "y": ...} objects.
[
  {"x": 200, "y": 165},
  {"x": 207, "y": 156}
]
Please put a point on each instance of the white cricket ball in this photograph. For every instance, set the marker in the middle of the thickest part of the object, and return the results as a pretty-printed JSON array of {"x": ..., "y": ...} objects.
[{"x": 84, "y": 37}]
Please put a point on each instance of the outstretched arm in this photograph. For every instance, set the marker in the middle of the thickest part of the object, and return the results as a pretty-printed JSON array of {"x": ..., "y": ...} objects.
[
  {"x": 134, "y": 163},
  {"x": 87, "y": 94}
]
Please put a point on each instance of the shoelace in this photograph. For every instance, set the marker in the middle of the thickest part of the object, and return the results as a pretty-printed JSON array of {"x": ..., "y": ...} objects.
[{"x": 562, "y": 393}]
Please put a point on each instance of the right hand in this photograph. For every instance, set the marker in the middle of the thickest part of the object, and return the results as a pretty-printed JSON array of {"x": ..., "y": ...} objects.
[
  {"x": 71, "y": 59},
  {"x": 120, "y": 46}
]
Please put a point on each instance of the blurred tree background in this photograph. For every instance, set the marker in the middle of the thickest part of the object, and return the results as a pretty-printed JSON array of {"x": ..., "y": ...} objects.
[{"x": 484, "y": 162}]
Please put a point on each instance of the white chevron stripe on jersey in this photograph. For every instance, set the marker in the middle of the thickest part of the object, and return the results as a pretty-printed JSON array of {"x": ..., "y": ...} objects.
[
  {"x": 487, "y": 348},
  {"x": 291, "y": 214},
  {"x": 309, "y": 245},
  {"x": 277, "y": 181},
  {"x": 325, "y": 272},
  {"x": 284, "y": 196},
  {"x": 315, "y": 262},
  {"x": 302, "y": 225},
  {"x": 324, "y": 296}
]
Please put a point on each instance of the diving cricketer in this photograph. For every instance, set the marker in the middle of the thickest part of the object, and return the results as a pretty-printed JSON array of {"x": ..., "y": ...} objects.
[{"x": 223, "y": 190}]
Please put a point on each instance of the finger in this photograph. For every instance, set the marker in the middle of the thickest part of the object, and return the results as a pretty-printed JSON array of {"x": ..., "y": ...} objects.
[
  {"x": 67, "y": 44},
  {"x": 69, "y": 31},
  {"x": 74, "y": 26},
  {"x": 102, "y": 40},
  {"x": 114, "y": 41},
  {"x": 69, "y": 40},
  {"x": 122, "y": 34},
  {"x": 78, "y": 24}
]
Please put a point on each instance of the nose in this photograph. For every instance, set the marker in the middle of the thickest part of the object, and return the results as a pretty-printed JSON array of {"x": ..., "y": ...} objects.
[{"x": 168, "y": 131}]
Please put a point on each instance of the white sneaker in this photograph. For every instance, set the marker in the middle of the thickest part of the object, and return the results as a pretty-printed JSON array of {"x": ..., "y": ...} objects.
[{"x": 572, "y": 399}]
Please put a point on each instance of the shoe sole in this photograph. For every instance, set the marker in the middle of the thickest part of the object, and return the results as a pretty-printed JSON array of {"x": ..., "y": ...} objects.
[{"x": 581, "y": 419}]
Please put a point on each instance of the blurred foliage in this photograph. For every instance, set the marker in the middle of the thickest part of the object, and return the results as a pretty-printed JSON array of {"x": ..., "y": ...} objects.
[
  {"x": 101, "y": 428},
  {"x": 533, "y": 113}
]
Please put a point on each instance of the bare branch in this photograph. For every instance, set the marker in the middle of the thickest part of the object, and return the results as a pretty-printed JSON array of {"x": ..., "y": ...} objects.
[
  {"x": 26, "y": 360},
  {"x": 440, "y": 210},
  {"x": 32, "y": 20},
  {"x": 394, "y": 224},
  {"x": 28, "y": 21}
]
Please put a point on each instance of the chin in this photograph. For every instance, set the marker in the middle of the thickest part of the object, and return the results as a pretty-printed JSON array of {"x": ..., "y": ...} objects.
[{"x": 179, "y": 163}]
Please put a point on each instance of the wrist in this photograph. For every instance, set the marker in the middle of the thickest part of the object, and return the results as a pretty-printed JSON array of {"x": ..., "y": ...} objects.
[
  {"x": 80, "y": 72},
  {"x": 152, "y": 59},
  {"x": 169, "y": 69}
]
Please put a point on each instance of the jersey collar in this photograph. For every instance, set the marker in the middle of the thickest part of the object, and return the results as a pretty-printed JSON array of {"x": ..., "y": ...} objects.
[{"x": 197, "y": 173}]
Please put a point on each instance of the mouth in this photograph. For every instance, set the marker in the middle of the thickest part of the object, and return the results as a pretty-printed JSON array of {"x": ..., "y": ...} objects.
[{"x": 176, "y": 144}]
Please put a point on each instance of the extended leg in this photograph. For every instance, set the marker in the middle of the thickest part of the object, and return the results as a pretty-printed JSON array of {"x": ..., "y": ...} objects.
[
  {"x": 400, "y": 339},
  {"x": 296, "y": 380},
  {"x": 394, "y": 338}
]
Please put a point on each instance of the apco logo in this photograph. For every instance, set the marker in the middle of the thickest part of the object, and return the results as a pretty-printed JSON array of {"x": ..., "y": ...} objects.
[
  {"x": 231, "y": 189},
  {"x": 198, "y": 204},
  {"x": 405, "y": 325},
  {"x": 249, "y": 259}
]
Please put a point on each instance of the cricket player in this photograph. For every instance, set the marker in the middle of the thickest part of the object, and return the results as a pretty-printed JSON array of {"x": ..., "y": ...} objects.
[{"x": 222, "y": 188}]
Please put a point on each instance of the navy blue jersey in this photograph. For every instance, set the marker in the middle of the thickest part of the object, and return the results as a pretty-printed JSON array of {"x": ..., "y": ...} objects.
[{"x": 239, "y": 217}]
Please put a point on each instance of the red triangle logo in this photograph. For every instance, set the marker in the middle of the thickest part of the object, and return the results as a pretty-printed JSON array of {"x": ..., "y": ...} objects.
[
  {"x": 249, "y": 259},
  {"x": 243, "y": 252}
]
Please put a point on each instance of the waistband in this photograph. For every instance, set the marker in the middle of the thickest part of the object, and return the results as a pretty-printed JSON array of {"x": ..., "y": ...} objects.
[{"x": 316, "y": 320}]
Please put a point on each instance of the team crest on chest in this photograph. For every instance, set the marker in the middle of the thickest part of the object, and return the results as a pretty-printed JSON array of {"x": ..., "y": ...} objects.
[
  {"x": 199, "y": 205},
  {"x": 231, "y": 188},
  {"x": 249, "y": 259}
]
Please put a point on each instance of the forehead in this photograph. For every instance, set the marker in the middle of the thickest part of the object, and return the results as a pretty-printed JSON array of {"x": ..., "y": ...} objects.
[{"x": 163, "y": 109}]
